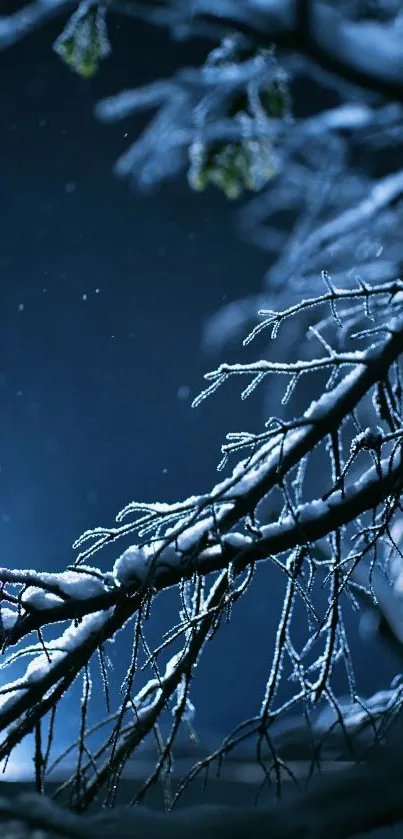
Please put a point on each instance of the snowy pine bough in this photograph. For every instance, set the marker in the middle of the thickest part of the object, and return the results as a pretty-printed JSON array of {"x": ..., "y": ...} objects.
[{"x": 331, "y": 317}]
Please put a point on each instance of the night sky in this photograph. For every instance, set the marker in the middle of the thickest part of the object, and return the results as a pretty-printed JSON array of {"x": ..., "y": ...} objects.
[{"x": 103, "y": 295}]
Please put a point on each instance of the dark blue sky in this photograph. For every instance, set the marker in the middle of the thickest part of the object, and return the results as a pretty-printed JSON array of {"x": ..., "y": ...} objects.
[
  {"x": 103, "y": 293},
  {"x": 103, "y": 296}
]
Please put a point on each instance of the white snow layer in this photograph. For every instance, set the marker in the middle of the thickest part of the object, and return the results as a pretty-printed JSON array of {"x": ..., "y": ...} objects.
[{"x": 134, "y": 563}]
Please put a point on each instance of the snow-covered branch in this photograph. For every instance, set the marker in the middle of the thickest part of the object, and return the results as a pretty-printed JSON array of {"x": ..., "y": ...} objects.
[
  {"x": 358, "y": 49},
  {"x": 221, "y": 531}
]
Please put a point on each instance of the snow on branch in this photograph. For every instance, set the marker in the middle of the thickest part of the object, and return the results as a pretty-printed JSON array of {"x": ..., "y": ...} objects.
[{"x": 221, "y": 532}]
